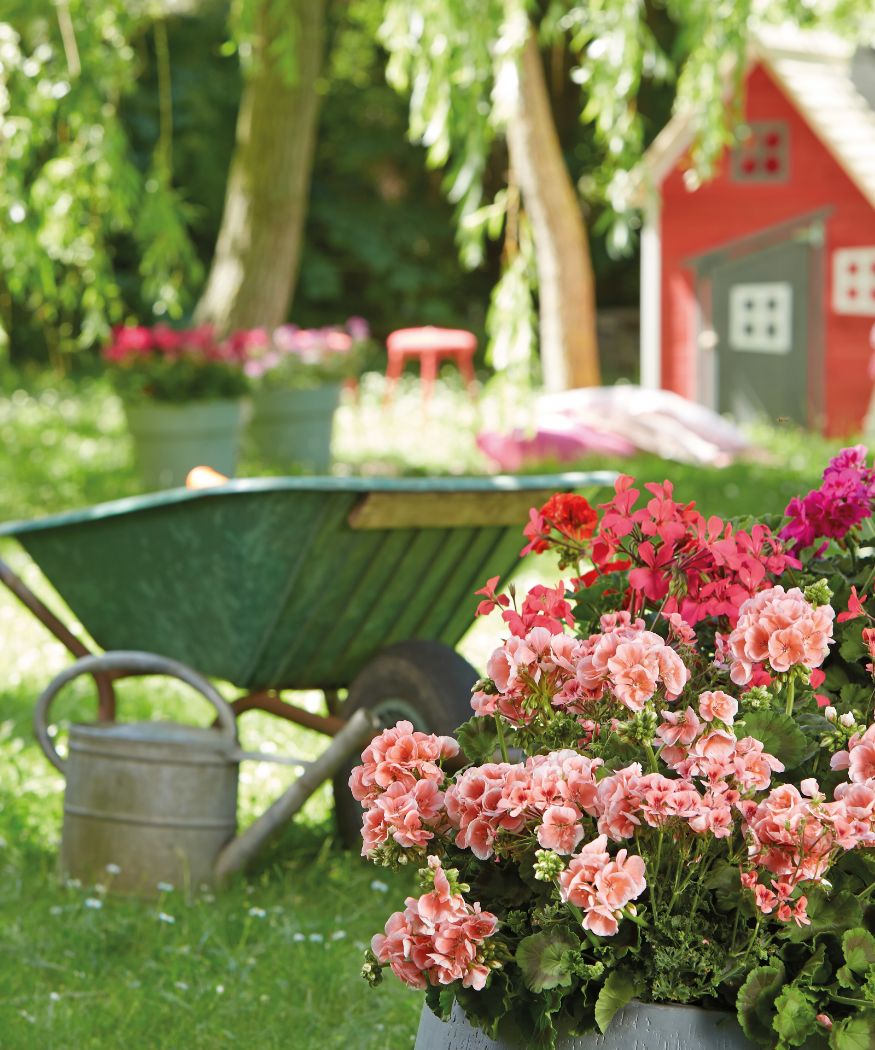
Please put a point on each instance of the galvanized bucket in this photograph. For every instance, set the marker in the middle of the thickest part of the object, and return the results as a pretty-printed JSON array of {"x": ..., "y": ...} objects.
[
  {"x": 155, "y": 803},
  {"x": 638, "y": 1026}
]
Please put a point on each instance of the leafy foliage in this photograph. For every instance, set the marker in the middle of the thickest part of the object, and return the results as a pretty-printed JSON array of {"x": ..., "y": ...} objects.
[{"x": 67, "y": 179}]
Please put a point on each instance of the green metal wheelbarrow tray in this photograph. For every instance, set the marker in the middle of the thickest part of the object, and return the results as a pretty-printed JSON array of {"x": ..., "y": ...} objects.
[{"x": 292, "y": 584}]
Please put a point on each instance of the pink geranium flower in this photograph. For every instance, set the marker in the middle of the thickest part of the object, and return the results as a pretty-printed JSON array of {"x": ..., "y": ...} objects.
[
  {"x": 561, "y": 830},
  {"x": 781, "y": 630}
]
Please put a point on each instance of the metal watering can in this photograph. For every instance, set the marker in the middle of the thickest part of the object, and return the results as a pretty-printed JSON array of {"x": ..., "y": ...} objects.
[{"x": 156, "y": 802}]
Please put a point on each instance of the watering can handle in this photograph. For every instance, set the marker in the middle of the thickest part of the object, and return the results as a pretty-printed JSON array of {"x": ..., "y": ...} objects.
[{"x": 130, "y": 663}]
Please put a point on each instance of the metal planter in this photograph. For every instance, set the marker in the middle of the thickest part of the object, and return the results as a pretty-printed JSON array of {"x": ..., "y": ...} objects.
[
  {"x": 170, "y": 439},
  {"x": 638, "y": 1026},
  {"x": 293, "y": 427}
]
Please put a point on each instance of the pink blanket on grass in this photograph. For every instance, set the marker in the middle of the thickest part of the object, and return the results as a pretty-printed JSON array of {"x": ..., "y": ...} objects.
[{"x": 616, "y": 421}]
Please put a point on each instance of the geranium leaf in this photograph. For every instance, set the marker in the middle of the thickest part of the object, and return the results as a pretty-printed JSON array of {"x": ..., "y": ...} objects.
[
  {"x": 545, "y": 959},
  {"x": 842, "y": 911},
  {"x": 779, "y": 734},
  {"x": 756, "y": 1001},
  {"x": 616, "y": 992},
  {"x": 854, "y": 1033},
  {"x": 851, "y": 647},
  {"x": 724, "y": 880},
  {"x": 485, "y": 1008},
  {"x": 845, "y": 977},
  {"x": 795, "y": 1016},
  {"x": 855, "y": 695},
  {"x": 478, "y": 739},
  {"x": 816, "y": 969},
  {"x": 859, "y": 948}
]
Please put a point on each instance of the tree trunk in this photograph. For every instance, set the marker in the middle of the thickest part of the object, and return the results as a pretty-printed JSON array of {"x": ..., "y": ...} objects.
[
  {"x": 569, "y": 349},
  {"x": 255, "y": 264}
]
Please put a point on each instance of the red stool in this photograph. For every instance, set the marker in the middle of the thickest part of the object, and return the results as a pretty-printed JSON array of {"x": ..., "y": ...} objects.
[{"x": 430, "y": 345}]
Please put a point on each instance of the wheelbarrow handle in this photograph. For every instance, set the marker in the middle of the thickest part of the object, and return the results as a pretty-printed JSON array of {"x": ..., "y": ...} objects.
[{"x": 130, "y": 663}]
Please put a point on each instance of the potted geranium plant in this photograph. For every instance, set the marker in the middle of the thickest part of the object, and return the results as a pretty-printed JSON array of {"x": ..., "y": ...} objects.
[
  {"x": 297, "y": 375},
  {"x": 665, "y": 827},
  {"x": 182, "y": 393}
]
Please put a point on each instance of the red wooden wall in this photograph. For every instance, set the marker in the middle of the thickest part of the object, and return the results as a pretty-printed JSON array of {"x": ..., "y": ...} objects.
[{"x": 722, "y": 211}]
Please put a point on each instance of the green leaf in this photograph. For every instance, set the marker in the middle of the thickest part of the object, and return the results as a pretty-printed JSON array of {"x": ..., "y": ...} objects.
[
  {"x": 756, "y": 1001},
  {"x": 859, "y": 948},
  {"x": 780, "y": 735},
  {"x": 855, "y": 695},
  {"x": 478, "y": 739},
  {"x": 816, "y": 969},
  {"x": 546, "y": 960},
  {"x": 851, "y": 646},
  {"x": 485, "y": 1008},
  {"x": 795, "y": 1017},
  {"x": 724, "y": 880},
  {"x": 833, "y": 914},
  {"x": 617, "y": 990},
  {"x": 845, "y": 977},
  {"x": 854, "y": 1033}
]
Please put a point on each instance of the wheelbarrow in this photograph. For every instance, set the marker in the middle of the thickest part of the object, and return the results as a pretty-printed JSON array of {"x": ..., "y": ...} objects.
[{"x": 365, "y": 585}]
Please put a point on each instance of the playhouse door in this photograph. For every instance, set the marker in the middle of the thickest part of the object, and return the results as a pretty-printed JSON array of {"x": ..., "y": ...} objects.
[{"x": 760, "y": 312}]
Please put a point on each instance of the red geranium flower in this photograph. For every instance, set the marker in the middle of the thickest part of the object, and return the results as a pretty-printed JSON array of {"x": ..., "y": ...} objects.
[{"x": 571, "y": 515}]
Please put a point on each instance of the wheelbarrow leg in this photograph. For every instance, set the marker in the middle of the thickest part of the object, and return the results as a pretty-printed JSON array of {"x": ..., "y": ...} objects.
[
  {"x": 105, "y": 691},
  {"x": 274, "y": 704},
  {"x": 241, "y": 850}
]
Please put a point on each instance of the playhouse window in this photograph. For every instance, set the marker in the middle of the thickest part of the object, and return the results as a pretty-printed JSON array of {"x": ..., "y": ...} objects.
[
  {"x": 764, "y": 156},
  {"x": 853, "y": 281},
  {"x": 761, "y": 317}
]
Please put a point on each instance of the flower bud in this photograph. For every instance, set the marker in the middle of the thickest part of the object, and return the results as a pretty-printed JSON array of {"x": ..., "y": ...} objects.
[
  {"x": 818, "y": 593},
  {"x": 830, "y": 713},
  {"x": 848, "y": 720},
  {"x": 548, "y": 865}
]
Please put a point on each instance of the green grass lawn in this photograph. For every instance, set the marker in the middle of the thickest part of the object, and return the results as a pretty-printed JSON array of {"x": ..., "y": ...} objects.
[{"x": 273, "y": 961}]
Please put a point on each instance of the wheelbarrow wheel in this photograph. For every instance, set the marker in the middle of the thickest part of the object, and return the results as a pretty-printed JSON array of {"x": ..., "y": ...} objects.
[{"x": 424, "y": 682}]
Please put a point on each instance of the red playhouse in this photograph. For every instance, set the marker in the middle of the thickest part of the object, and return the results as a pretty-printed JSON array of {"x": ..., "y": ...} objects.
[{"x": 758, "y": 287}]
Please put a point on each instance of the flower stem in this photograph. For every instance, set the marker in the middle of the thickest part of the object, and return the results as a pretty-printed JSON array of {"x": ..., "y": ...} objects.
[
  {"x": 502, "y": 743},
  {"x": 791, "y": 693}
]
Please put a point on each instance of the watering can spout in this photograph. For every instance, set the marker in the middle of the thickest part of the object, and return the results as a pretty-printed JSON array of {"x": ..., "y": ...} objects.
[{"x": 237, "y": 854}]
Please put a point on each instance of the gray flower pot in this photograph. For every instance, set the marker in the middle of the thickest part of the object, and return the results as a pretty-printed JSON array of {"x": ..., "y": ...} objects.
[
  {"x": 170, "y": 439},
  {"x": 638, "y": 1026},
  {"x": 293, "y": 427}
]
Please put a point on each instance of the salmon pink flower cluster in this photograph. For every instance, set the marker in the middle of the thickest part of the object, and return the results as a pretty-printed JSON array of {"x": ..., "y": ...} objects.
[
  {"x": 398, "y": 785},
  {"x": 789, "y": 835},
  {"x": 779, "y": 630},
  {"x": 437, "y": 939},
  {"x": 602, "y": 886},
  {"x": 859, "y": 758},
  {"x": 631, "y": 664},
  {"x": 624, "y": 662},
  {"x": 551, "y": 791},
  {"x": 778, "y": 898}
]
